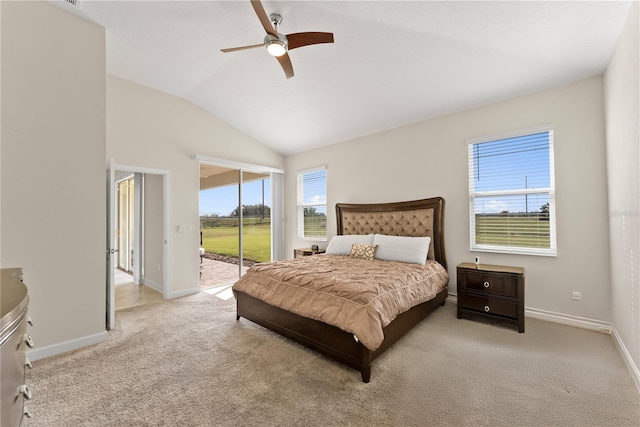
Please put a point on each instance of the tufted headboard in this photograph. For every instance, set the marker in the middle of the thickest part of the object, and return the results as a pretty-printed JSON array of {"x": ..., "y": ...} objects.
[{"x": 416, "y": 218}]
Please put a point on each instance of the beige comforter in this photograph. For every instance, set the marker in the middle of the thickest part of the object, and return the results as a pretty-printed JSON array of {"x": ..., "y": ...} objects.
[{"x": 355, "y": 295}]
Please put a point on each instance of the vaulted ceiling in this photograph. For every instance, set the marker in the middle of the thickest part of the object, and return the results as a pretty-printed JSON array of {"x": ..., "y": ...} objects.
[{"x": 393, "y": 62}]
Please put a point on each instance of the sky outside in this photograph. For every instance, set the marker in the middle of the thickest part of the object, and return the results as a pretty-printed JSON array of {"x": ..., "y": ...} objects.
[
  {"x": 224, "y": 200},
  {"x": 511, "y": 164}
]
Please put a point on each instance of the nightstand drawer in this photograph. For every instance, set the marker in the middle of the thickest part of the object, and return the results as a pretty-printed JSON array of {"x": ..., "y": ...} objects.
[
  {"x": 490, "y": 305},
  {"x": 491, "y": 291},
  {"x": 493, "y": 283}
]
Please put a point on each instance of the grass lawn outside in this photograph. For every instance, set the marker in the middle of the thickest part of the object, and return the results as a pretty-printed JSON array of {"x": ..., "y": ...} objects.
[
  {"x": 224, "y": 241},
  {"x": 315, "y": 226},
  {"x": 524, "y": 231}
]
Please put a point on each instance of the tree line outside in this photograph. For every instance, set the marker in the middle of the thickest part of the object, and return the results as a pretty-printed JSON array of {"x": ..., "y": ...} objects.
[
  {"x": 220, "y": 233},
  {"x": 524, "y": 229}
]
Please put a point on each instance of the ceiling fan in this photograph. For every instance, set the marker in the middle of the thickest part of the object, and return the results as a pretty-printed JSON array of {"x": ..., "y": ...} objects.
[{"x": 279, "y": 44}]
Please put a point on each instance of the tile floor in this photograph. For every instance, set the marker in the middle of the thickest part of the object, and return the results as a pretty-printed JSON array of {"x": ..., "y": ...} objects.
[
  {"x": 130, "y": 294},
  {"x": 216, "y": 279}
]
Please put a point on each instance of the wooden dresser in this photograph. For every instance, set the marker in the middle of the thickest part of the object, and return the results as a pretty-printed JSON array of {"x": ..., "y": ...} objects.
[
  {"x": 491, "y": 291},
  {"x": 14, "y": 342}
]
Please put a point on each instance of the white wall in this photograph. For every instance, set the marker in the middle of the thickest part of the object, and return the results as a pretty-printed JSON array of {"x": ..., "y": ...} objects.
[
  {"x": 622, "y": 107},
  {"x": 53, "y": 169},
  {"x": 430, "y": 159},
  {"x": 148, "y": 128},
  {"x": 153, "y": 220}
]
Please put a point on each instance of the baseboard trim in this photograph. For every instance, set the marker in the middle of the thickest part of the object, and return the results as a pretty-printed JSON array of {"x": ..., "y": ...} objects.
[
  {"x": 183, "y": 293},
  {"x": 569, "y": 320},
  {"x": 561, "y": 318},
  {"x": 583, "y": 323},
  {"x": 70, "y": 345},
  {"x": 453, "y": 299},
  {"x": 628, "y": 360},
  {"x": 65, "y": 346},
  {"x": 153, "y": 285}
]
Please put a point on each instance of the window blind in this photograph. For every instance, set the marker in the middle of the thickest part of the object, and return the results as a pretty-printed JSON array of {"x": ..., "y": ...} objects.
[
  {"x": 312, "y": 204},
  {"x": 512, "y": 193}
]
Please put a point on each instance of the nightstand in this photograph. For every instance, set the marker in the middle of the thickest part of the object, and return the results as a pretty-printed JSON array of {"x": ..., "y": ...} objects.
[
  {"x": 491, "y": 291},
  {"x": 306, "y": 252}
]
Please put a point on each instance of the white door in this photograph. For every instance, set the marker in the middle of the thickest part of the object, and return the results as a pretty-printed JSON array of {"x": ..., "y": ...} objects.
[{"x": 111, "y": 244}]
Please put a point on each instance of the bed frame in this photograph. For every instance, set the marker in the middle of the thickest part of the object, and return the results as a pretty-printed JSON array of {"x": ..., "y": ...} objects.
[{"x": 414, "y": 218}]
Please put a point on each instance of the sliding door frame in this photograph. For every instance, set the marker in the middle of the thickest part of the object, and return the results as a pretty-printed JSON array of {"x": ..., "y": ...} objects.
[{"x": 277, "y": 223}]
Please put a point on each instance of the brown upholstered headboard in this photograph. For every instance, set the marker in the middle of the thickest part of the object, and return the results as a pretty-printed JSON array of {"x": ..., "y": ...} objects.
[{"x": 416, "y": 218}]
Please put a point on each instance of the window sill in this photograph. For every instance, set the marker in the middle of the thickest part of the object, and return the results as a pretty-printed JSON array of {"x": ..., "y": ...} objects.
[{"x": 515, "y": 251}]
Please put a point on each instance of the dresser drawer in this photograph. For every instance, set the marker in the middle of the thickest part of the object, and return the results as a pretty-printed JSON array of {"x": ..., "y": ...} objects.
[
  {"x": 491, "y": 283},
  {"x": 14, "y": 342},
  {"x": 489, "y": 305}
]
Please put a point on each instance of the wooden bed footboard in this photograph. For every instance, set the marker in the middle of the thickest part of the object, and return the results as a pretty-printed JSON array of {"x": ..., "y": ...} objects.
[
  {"x": 330, "y": 340},
  {"x": 415, "y": 218}
]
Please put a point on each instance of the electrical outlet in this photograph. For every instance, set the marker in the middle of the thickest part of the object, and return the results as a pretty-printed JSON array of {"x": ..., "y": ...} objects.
[{"x": 576, "y": 296}]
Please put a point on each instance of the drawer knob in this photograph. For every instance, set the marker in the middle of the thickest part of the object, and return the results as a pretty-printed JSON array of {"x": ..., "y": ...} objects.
[
  {"x": 486, "y": 308},
  {"x": 29, "y": 321},
  {"x": 27, "y": 339},
  {"x": 27, "y": 413},
  {"x": 25, "y": 391},
  {"x": 486, "y": 284},
  {"x": 27, "y": 362}
]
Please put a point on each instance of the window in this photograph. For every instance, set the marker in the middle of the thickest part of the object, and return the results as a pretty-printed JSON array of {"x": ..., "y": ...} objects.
[
  {"x": 512, "y": 193},
  {"x": 312, "y": 204}
]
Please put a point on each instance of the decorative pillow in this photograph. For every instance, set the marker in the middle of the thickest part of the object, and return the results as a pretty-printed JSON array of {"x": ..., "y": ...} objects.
[
  {"x": 363, "y": 251},
  {"x": 411, "y": 250},
  {"x": 341, "y": 245}
]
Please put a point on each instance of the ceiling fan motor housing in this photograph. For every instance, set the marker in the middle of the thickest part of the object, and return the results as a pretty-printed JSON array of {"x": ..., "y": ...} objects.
[{"x": 276, "y": 46}]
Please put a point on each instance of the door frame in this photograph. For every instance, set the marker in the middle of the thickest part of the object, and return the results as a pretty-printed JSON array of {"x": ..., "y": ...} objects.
[
  {"x": 166, "y": 265},
  {"x": 277, "y": 212}
]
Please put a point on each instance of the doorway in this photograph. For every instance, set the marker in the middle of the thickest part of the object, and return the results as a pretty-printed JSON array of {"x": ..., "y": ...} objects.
[
  {"x": 236, "y": 220},
  {"x": 136, "y": 195},
  {"x": 137, "y": 236}
]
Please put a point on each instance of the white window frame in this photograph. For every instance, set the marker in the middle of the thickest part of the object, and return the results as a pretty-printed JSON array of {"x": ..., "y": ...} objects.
[
  {"x": 550, "y": 191},
  {"x": 300, "y": 205}
]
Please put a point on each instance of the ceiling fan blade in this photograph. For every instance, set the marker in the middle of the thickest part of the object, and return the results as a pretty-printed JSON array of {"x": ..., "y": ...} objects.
[
  {"x": 262, "y": 16},
  {"x": 308, "y": 38},
  {"x": 233, "y": 49},
  {"x": 285, "y": 62}
]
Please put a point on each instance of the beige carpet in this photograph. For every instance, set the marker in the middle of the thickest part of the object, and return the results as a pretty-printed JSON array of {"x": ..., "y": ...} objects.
[{"x": 188, "y": 362}]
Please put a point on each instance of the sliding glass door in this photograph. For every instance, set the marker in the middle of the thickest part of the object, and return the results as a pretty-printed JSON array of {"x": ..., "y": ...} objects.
[
  {"x": 235, "y": 221},
  {"x": 256, "y": 218}
]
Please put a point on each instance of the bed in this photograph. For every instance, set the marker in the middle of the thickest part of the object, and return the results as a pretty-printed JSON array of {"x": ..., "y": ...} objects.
[{"x": 283, "y": 314}]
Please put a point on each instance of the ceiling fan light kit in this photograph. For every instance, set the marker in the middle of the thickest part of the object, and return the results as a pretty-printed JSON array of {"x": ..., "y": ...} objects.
[{"x": 278, "y": 44}]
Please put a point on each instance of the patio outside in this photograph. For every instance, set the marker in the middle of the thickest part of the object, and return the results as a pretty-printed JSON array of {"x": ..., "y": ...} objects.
[
  {"x": 224, "y": 219},
  {"x": 218, "y": 273}
]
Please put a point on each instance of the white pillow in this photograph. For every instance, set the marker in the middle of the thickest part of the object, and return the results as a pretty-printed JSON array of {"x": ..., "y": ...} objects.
[
  {"x": 341, "y": 245},
  {"x": 412, "y": 250}
]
